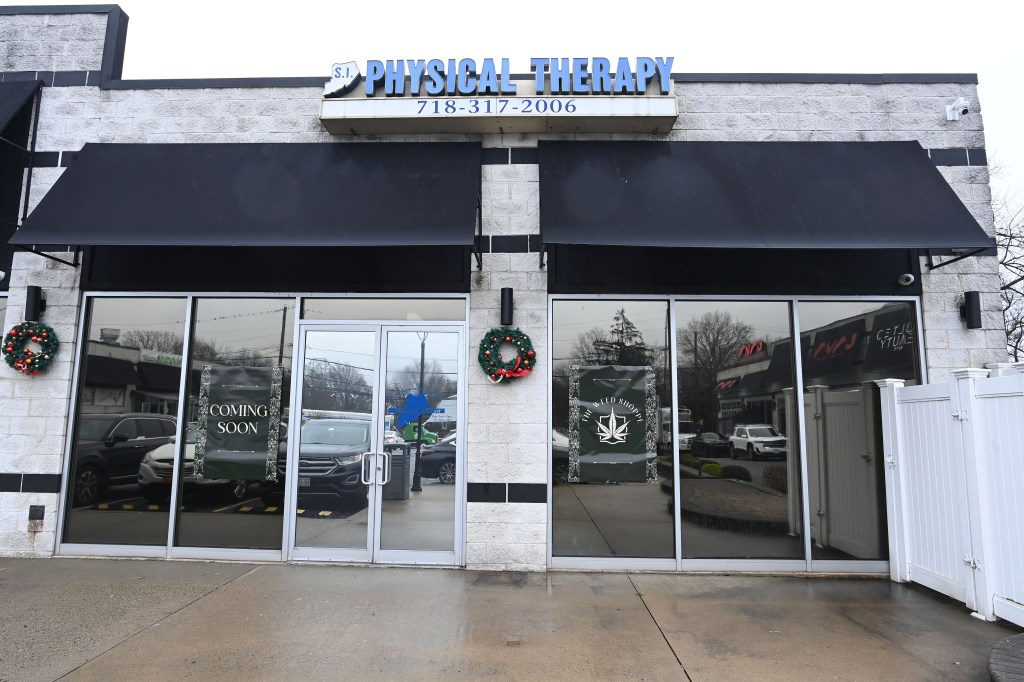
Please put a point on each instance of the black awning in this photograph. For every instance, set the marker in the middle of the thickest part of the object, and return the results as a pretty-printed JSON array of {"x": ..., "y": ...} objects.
[
  {"x": 750, "y": 195},
  {"x": 13, "y": 96},
  {"x": 373, "y": 194},
  {"x": 160, "y": 378},
  {"x": 101, "y": 370}
]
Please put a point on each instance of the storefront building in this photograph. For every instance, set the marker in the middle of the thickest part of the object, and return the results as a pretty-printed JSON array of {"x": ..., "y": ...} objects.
[{"x": 288, "y": 308}]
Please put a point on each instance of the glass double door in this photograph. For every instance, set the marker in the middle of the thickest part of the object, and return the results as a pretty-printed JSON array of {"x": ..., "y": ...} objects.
[{"x": 376, "y": 468}]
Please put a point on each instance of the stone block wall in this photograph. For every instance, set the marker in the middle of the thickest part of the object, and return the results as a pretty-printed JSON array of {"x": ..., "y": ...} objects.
[
  {"x": 508, "y": 435},
  {"x": 52, "y": 42},
  {"x": 34, "y": 410}
]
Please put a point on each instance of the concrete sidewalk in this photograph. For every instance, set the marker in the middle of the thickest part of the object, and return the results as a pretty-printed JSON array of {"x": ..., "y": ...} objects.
[{"x": 108, "y": 620}]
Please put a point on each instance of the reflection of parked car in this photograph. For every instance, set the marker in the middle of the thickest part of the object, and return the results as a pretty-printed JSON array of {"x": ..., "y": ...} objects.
[
  {"x": 109, "y": 448},
  {"x": 687, "y": 433},
  {"x": 757, "y": 441},
  {"x": 391, "y": 437},
  {"x": 711, "y": 444},
  {"x": 438, "y": 461},
  {"x": 559, "y": 457},
  {"x": 157, "y": 469},
  {"x": 330, "y": 459}
]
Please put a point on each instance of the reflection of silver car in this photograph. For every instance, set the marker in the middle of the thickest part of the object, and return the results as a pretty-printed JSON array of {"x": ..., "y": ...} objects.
[{"x": 157, "y": 469}]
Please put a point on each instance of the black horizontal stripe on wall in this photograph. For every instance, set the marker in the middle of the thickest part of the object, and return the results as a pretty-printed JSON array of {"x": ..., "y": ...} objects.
[
  {"x": 40, "y": 483},
  {"x": 524, "y": 155},
  {"x": 486, "y": 492},
  {"x": 533, "y": 493},
  {"x": 948, "y": 157},
  {"x": 67, "y": 79},
  {"x": 494, "y": 156},
  {"x": 29, "y": 483},
  {"x": 46, "y": 160},
  {"x": 510, "y": 243},
  {"x": 977, "y": 157}
]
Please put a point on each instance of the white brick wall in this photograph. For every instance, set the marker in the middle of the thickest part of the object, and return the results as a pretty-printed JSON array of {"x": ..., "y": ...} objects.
[
  {"x": 52, "y": 42},
  {"x": 508, "y": 434},
  {"x": 506, "y": 537},
  {"x": 35, "y": 409}
]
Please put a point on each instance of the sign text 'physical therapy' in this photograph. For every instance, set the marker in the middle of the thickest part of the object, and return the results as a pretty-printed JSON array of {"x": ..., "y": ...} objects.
[{"x": 466, "y": 95}]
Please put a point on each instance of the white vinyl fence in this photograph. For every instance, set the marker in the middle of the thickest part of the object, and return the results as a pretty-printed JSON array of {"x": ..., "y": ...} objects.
[{"x": 954, "y": 457}]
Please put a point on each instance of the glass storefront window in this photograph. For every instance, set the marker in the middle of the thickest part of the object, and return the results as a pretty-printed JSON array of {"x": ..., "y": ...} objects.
[
  {"x": 239, "y": 374},
  {"x": 412, "y": 309},
  {"x": 739, "y": 475},
  {"x": 610, "y": 386},
  {"x": 846, "y": 347},
  {"x": 125, "y": 420}
]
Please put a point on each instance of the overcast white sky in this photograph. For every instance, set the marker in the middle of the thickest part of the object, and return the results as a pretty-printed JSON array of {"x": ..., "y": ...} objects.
[{"x": 224, "y": 38}]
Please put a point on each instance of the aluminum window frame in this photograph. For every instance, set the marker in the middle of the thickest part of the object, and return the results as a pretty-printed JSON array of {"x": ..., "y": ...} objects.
[
  {"x": 169, "y": 550},
  {"x": 807, "y": 564}
]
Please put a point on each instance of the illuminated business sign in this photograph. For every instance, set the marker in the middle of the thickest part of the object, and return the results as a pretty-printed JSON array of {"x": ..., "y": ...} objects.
[{"x": 463, "y": 95}]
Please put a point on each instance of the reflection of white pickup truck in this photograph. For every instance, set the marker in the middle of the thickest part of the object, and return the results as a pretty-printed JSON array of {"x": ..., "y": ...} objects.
[{"x": 757, "y": 441}]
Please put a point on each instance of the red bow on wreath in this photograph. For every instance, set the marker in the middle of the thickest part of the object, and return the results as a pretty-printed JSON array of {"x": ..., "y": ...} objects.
[{"x": 516, "y": 371}]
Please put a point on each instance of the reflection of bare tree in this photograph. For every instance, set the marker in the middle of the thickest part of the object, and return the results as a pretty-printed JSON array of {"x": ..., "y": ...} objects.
[
  {"x": 335, "y": 386},
  {"x": 152, "y": 339},
  {"x": 622, "y": 344},
  {"x": 436, "y": 384},
  {"x": 707, "y": 345},
  {"x": 169, "y": 342}
]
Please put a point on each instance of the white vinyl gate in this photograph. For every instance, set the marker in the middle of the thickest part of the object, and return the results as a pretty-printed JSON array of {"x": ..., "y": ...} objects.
[{"x": 954, "y": 457}]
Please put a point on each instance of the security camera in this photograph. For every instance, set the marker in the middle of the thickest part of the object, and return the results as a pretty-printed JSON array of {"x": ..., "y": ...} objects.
[
  {"x": 905, "y": 280},
  {"x": 960, "y": 107}
]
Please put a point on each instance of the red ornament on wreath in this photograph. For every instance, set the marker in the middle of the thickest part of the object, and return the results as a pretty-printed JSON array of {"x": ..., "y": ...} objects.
[
  {"x": 18, "y": 355},
  {"x": 506, "y": 370}
]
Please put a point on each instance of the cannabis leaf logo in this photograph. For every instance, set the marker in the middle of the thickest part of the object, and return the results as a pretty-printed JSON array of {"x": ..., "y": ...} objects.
[{"x": 610, "y": 430}]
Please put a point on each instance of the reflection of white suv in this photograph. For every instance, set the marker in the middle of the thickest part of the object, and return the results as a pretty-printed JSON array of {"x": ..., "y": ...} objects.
[
  {"x": 687, "y": 432},
  {"x": 757, "y": 441}
]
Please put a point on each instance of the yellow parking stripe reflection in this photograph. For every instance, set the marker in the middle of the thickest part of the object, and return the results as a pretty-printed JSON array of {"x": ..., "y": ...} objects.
[{"x": 325, "y": 513}]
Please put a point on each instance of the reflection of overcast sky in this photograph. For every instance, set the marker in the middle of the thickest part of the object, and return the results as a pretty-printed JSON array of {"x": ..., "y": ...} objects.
[
  {"x": 356, "y": 349},
  {"x": 575, "y": 317},
  {"x": 233, "y": 324}
]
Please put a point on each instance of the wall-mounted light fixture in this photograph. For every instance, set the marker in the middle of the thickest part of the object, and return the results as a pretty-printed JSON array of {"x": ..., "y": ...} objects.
[
  {"x": 959, "y": 107},
  {"x": 35, "y": 304},
  {"x": 970, "y": 309},
  {"x": 506, "y": 306}
]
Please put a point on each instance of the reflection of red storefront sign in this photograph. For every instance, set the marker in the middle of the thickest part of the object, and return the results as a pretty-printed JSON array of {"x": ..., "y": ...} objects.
[
  {"x": 726, "y": 384},
  {"x": 835, "y": 348},
  {"x": 750, "y": 352}
]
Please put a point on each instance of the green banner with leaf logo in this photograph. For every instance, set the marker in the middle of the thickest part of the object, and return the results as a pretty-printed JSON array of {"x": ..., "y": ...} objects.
[
  {"x": 612, "y": 424},
  {"x": 239, "y": 423}
]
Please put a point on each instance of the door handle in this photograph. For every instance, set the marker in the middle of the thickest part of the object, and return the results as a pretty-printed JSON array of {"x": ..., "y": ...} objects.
[
  {"x": 364, "y": 472},
  {"x": 387, "y": 466}
]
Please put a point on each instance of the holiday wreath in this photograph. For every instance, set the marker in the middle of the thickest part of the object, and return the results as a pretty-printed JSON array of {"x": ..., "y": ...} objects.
[
  {"x": 22, "y": 358},
  {"x": 496, "y": 367}
]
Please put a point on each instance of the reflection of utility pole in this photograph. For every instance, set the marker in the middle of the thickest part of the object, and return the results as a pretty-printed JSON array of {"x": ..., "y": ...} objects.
[
  {"x": 417, "y": 471},
  {"x": 284, "y": 320}
]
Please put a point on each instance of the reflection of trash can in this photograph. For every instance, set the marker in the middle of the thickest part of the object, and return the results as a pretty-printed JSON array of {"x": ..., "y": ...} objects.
[{"x": 397, "y": 487}]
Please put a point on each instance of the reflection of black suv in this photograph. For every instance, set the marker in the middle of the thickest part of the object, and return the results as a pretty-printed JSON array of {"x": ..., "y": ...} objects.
[
  {"x": 329, "y": 459},
  {"x": 109, "y": 448}
]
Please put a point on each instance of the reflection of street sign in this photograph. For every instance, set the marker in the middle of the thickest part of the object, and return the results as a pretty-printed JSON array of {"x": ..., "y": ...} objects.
[{"x": 415, "y": 406}]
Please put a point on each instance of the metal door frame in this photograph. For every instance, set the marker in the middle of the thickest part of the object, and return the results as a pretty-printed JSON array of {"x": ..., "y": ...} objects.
[{"x": 373, "y": 554}]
